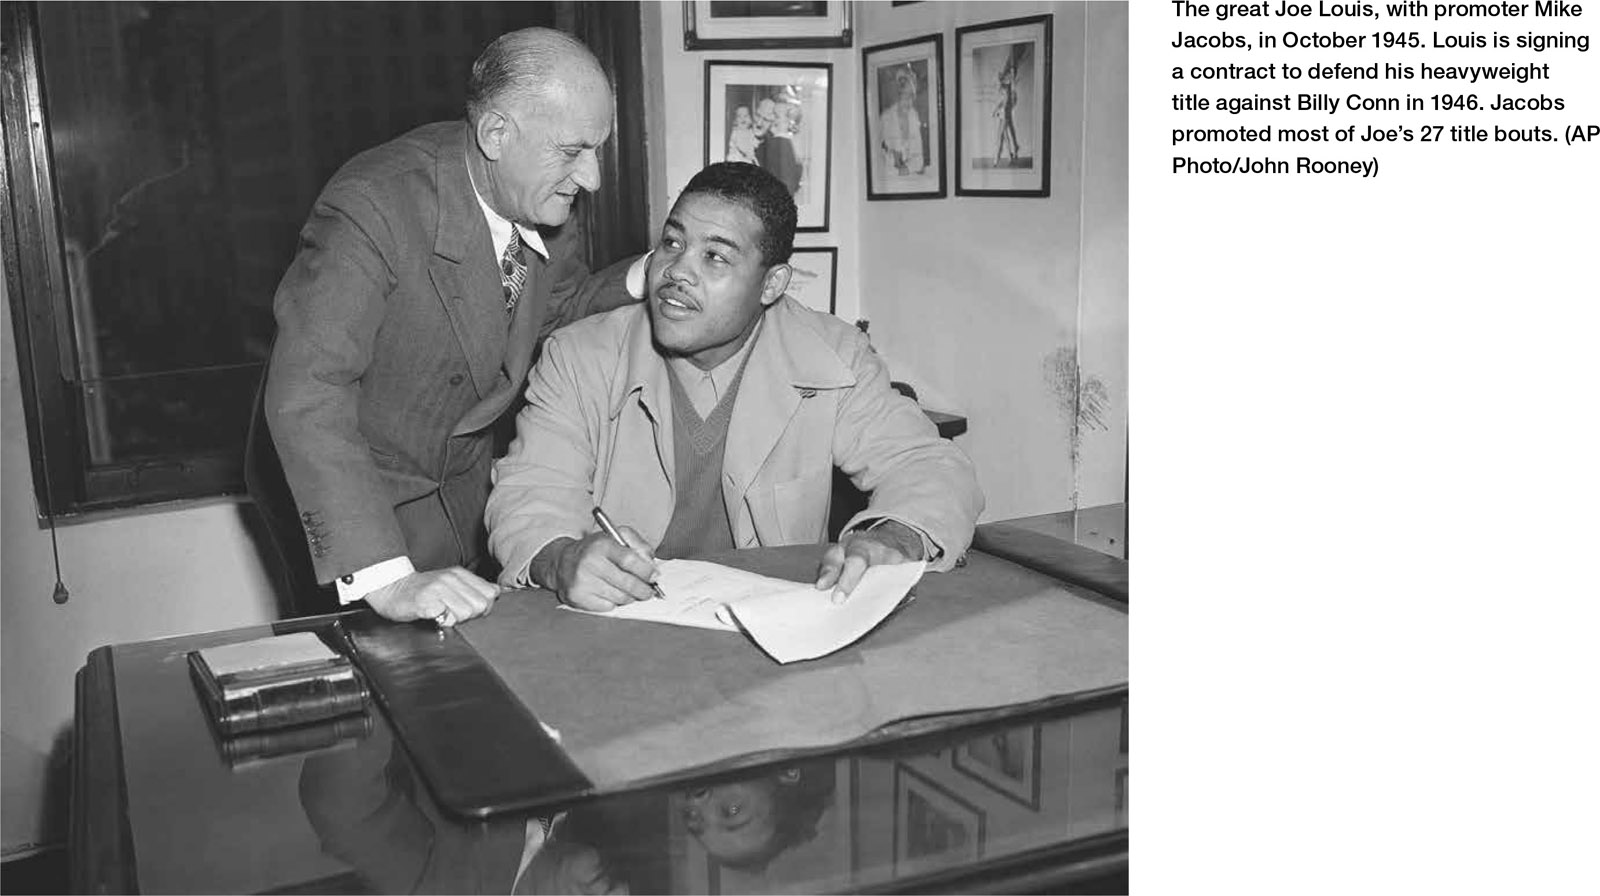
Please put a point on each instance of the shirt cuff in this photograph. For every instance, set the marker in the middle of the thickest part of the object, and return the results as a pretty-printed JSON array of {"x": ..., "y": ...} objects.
[
  {"x": 638, "y": 274},
  {"x": 362, "y": 582}
]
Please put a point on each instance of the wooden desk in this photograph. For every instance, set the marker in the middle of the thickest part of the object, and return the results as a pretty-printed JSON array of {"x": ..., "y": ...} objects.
[{"x": 1028, "y": 799}]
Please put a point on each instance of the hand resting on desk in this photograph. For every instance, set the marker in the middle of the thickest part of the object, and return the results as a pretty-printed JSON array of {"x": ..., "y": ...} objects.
[
  {"x": 449, "y": 595},
  {"x": 844, "y": 563}
]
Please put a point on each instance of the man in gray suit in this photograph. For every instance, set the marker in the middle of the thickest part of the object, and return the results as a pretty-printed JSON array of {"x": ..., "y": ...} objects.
[{"x": 410, "y": 315}]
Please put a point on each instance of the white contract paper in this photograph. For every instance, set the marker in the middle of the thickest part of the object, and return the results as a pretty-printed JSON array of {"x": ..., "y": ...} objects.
[{"x": 790, "y": 620}]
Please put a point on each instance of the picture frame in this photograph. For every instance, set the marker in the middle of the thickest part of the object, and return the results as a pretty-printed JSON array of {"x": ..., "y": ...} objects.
[
  {"x": 1003, "y": 121},
  {"x": 1122, "y": 798},
  {"x": 778, "y": 115},
  {"x": 815, "y": 281},
  {"x": 933, "y": 827},
  {"x": 762, "y": 24},
  {"x": 1007, "y": 762},
  {"x": 902, "y": 87}
]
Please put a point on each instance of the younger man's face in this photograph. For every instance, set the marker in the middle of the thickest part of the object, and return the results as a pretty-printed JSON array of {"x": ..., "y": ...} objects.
[{"x": 708, "y": 285}]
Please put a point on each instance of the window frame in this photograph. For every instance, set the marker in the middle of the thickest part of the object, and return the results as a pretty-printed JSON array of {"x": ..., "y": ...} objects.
[{"x": 65, "y": 483}]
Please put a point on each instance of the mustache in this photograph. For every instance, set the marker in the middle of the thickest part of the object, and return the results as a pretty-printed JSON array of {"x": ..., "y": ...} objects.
[{"x": 671, "y": 289}]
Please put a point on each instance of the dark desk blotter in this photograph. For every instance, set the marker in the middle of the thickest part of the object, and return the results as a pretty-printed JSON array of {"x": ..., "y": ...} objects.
[
  {"x": 1071, "y": 563},
  {"x": 636, "y": 701}
]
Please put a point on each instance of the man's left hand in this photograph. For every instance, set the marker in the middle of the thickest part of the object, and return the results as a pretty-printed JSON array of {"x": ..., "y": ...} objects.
[{"x": 844, "y": 563}]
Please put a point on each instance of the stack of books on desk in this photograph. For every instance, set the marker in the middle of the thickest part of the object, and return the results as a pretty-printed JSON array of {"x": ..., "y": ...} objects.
[{"x": 279, "y": 695}]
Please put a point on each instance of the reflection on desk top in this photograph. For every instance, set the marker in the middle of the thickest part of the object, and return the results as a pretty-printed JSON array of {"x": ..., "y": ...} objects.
[{"x": 895, "y": 817}]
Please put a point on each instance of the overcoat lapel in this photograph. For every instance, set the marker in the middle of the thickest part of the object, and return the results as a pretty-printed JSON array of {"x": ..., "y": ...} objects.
[
  {"x": 788, "y": 364},
  {"x": 642, "y": 376}
]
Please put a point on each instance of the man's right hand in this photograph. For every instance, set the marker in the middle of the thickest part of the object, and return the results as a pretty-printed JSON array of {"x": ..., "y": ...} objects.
[
  {"x": 596, "y": 573},
  {"x": 448, "y": 595}
]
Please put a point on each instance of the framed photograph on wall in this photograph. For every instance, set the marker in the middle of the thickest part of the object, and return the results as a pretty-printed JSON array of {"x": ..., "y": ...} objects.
[
  {"x": 1003, "y": 108},
  {"x": 1007, "y": 762},
  {"x": 758, "y": 24},
  {"x": 778, "y": 116},
  {"x": 903, "y": 101},
  {"x": 815, "y": 281},
  {"x": 933, "y": 828}
]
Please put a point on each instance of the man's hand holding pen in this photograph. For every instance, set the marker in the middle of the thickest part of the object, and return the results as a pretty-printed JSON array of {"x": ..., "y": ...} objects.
[{"x": 600, "y": 571}]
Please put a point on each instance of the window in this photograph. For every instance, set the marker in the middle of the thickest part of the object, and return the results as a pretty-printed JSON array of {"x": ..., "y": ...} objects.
[{"x": 160, "y": 159}]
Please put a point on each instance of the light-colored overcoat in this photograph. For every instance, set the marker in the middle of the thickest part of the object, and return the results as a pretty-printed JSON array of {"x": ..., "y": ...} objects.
[{"x": 597, "y": 430}]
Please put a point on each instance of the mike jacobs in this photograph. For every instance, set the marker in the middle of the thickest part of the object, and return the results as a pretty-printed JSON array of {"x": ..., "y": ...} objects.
[{"x": 1312, "y": 40}]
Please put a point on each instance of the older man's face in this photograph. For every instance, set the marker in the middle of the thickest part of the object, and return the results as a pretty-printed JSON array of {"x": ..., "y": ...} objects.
[{"x": 551, "y": 154}]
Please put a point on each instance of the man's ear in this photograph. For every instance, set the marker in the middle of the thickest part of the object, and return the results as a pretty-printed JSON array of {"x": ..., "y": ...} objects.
[
  {"x": 777, "y": 281},
  {"x": 493, "y": 132}
]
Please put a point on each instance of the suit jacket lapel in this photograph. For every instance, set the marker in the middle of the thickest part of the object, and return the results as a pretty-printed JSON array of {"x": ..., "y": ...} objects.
[{"x": 463, "y": 270}]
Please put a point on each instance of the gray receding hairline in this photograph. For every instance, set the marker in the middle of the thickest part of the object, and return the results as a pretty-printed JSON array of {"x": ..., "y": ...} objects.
[{"x": 530, "y": 64}]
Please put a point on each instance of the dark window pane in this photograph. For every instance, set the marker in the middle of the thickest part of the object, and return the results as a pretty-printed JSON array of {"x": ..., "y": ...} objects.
[
  {"x": 189, "y": 140},
  {"x": 159, "y": 415}
]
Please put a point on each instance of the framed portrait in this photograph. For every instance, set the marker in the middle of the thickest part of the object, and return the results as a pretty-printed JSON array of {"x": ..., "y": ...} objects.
[
  {"x": 1003, "y": 108},
  {"x": 778, "y": 116},
  {"x": 815, "y": 280},
  {"x": 757, "y": 24},
  {"x": 933, "y": 827},
  {"x": 1007, "y": 762},
  {"x": 903, "y": 102}
]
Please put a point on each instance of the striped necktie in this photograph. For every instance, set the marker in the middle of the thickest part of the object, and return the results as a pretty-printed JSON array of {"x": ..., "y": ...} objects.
[{"x": 513, "y": 271}]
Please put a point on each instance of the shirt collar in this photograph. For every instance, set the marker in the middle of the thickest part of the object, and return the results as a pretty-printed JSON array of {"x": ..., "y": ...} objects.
[
  {"x": 722, "y": 374},
  {"x": 500, "y": 229}
]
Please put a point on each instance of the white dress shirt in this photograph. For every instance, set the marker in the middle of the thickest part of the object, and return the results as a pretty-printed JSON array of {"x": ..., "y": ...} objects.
[{"x": 706, "y": 387}]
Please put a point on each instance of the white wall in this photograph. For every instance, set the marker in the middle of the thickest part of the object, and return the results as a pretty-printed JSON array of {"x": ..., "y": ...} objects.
[
  {"x": 1013, "y": 311},
  {"x": 150, "y": 574},
  {"x": 1102, "y": 459}
]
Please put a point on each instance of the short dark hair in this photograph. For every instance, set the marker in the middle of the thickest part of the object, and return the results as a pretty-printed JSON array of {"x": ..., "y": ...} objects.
[{"x": 759, "y": 191}]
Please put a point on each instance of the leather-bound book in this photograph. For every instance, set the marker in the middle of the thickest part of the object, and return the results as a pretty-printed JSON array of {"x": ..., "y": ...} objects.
[{"x": 275, "y": 682}]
